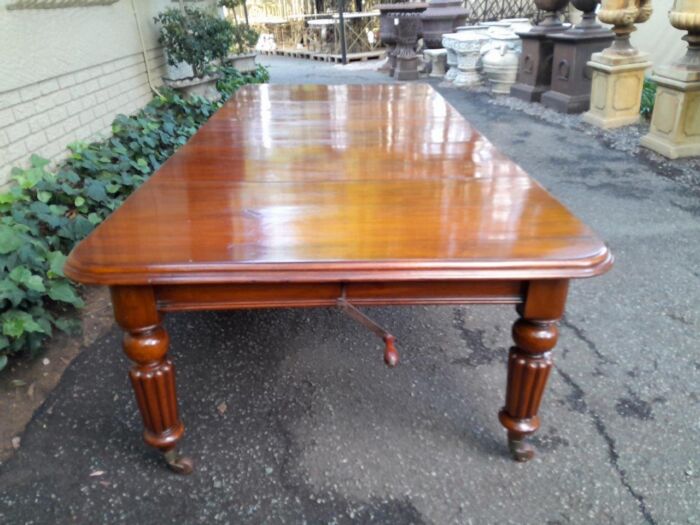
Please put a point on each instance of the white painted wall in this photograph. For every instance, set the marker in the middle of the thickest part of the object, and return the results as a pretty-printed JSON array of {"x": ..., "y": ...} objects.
[{"x": 65, "y": 73}]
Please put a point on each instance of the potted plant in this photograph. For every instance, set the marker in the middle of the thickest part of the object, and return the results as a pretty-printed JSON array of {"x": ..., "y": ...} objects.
[
  {"x": 244, "y": 40},
  {"x": 195, "y": 37}
]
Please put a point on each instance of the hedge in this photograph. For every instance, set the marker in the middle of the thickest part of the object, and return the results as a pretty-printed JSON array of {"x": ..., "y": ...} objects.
[{"x": 47, "y": 211}]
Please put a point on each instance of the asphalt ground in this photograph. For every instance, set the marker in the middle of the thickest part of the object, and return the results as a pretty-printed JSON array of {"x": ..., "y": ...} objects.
[{"x": 292, "y": 418}]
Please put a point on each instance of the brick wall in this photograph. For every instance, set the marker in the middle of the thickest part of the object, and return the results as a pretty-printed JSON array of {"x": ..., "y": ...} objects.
[
  {"x": 68, "y": 70},
  {"x": 46, "y": 116}
]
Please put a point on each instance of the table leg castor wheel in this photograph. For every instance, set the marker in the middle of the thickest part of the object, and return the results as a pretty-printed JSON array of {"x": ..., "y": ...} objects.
[
  {"x": 178, "y": 463},
  {"x": 521, "y": 450}
]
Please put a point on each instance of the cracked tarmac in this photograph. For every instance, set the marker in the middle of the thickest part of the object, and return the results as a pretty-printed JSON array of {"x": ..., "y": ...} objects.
[{"x": 316, "y": 430}]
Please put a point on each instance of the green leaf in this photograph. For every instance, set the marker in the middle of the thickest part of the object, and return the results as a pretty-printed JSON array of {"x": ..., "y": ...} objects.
[
  {"x": 11, "y": 292},
  {"x": 38, "y": 162},
  {"x": 10, "y": 197},
  {"x": 68, "y": 325},
  {"x": 96, "y": 191},
  {"x": 16, "y": 322},
  {"x": 3, "y": 358},
  {"x": 9, "y": 239},
  {"x": 22, "y": 275},
  {"x": 79, "y": 201},
  {"x": 65, "y": 292},
  {"x": 56, "y": 262},
  {"x": 43, "y": 196}
]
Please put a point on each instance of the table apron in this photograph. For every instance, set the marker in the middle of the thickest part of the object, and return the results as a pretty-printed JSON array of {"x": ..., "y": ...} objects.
[{"x": 182, "y": 297}]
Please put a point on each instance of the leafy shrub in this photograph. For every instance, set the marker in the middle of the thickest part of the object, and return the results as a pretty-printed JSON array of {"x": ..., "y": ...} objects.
[
  {"x": 648, "y": 98},
  {"x": 244, "y": 38},
  {"x": 48, "y": 211},
  {"x": 194, "y": 36}
]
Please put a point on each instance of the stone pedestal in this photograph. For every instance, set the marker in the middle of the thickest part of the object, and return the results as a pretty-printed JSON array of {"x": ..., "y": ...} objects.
[
  {"x": 616, "y": 89},
  {"x": 451, "y": 59},
  {"x": 618, "y": 71},
  {"x": 467, "y": 45},
  {"x": 437, "y": 58},
  {"x": 535, "y": 66},
  {"x": 675, "y": 123},
  {"x": 571, "y": 78}
]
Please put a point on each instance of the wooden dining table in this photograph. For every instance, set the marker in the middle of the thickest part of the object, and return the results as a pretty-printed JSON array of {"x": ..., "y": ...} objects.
[{"x": 326, "y": 196}]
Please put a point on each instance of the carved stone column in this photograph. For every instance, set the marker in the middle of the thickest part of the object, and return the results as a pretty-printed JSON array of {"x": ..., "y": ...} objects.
[
  {"x": 571, "y": 77},
  {"x": 437, "y": 58},
  {"x": 535, "y": 67},
  {"x": 675, "y": 123},
  {"x": 467, "y": 45},
  {"x": 451, "y": 59},
  {"x": 618, "y": 71}
]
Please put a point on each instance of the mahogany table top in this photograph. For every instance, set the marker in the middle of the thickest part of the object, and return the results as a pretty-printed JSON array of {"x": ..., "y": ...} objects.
[{"x": 337, "y": 183}]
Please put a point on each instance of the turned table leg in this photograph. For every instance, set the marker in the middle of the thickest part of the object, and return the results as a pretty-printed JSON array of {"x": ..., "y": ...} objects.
[
  {"x": 529, "y": 363},
  {"x": 153, "y": 375}
]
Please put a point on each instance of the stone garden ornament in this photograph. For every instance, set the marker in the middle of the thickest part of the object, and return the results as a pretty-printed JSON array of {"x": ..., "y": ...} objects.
[
  {"x": 535, "y": 67},
  {"x": 675, "y": 123},
  {"x": 571, "y": 78},
  {"x": 618, "y": 71}
]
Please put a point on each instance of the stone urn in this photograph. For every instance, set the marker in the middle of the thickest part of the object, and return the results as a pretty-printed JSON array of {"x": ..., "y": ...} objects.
[
  {"x": 467, "y": 44},
  {"x": 685, "y": 15},
  {"x": 387, "y": 34},
  {"x": 619, "y": 70},
  {"x": 441, "y": 17},
  {"x": 388, "y": 27},
  {"x": 499, "y": 59},
  {"x": 675, "y": 124},
  {"x": 622, "y": 15},
  {"x": 408, "y": 30},
  {"x": 588, "y": 20},
  {"x": 552, "y": 21}
]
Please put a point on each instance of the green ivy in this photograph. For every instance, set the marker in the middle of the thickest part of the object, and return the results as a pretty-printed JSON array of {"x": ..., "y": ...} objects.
[
  {"x": 47, "y": 211},
  {"x": 648, "y": 98}
]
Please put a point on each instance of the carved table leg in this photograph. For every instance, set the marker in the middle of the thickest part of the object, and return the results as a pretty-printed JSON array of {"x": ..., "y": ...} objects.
[
  {"x": 529, "y": 363},
  {"x": 153, "y": 375}
]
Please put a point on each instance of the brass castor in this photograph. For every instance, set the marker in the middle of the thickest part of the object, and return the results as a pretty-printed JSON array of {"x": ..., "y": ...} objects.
[
  {"x": 178, "y": 463},
  {"x": 521, "y": 450}
]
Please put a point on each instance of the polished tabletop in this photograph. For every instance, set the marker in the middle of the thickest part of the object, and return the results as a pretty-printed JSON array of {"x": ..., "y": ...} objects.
[{"x": 313, "y": 183}]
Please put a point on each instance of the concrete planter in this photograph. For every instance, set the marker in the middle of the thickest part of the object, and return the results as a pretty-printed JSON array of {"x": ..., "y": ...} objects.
[
  {"x": 196, "y": 86},
  {"x": 244, "y": 63},
  {"x": 467, "y": 43},
  {"x": 500, "y": 60}
]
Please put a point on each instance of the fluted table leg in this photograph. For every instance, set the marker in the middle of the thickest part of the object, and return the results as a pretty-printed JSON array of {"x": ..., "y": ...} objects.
[
  {"x": 153, "y": 375},
  {"x": 529, "y": 363}
]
